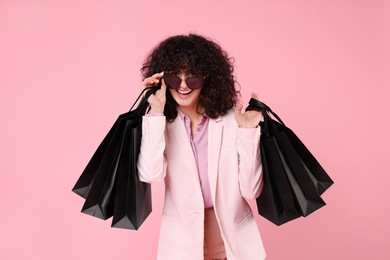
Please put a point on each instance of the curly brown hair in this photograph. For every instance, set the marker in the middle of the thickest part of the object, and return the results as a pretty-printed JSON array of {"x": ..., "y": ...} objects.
[{"x": 197, "y": 55}]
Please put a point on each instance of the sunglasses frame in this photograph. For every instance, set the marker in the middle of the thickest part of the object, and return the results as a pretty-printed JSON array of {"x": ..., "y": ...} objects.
[{"x": 181, "y": 80}]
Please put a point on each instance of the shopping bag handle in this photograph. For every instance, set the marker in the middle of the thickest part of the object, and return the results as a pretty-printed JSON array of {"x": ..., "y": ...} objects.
[
  {"x": 255, "y": 104},
  {"x": 150, "y": 91},
  {"x": 140, "y": 110}
]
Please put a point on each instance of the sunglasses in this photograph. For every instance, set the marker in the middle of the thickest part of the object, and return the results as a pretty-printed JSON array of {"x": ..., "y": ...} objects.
[{"x": 193, "y": 82}]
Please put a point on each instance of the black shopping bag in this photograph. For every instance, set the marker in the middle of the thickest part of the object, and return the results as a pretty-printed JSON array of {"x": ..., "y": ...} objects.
[
  {"x": 276, "y": 199},
  {"x": 132, "y": 197},
  {"x": 286, "y": 159},
  {"x": 99, "y": 181}
]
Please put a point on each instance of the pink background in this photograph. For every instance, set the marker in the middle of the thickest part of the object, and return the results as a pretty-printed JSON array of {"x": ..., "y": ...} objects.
[{"x": 69, "y": 68}]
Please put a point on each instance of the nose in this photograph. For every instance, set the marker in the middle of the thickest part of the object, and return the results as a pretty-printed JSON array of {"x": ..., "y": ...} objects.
[{"x": 183, "y": 84}]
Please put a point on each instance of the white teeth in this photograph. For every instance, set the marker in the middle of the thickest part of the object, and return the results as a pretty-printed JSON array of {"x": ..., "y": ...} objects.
[{"x": 184, "y": 92}]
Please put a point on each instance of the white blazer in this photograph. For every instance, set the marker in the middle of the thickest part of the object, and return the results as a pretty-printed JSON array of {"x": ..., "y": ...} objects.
[{"x": 235, "y": 173}]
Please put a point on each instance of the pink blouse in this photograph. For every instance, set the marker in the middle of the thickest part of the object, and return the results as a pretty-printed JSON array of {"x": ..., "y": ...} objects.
[{"x": 200, "y": 148}]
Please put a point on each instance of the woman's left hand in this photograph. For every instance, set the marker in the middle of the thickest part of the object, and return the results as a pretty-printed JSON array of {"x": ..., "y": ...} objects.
[{"x": 248, "y": 119}]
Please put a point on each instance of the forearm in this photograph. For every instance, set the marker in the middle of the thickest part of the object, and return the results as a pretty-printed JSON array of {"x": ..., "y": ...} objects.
[
  {"x": 151, "y": 161},
  {"x": 250, "y": 166}
]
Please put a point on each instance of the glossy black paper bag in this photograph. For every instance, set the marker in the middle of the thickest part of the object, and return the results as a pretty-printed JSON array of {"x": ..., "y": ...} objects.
[
  {"x": 276, "y": 201},
  {"x": 99, "y": 181},
  {"x": 286, "y": 158},
  {"x": 133, "y": 197}
]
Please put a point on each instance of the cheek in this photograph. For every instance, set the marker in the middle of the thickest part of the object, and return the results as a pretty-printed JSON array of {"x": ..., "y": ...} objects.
[
  {"x": 173, "y": 93},
  {"x": 197, "y": 93}
]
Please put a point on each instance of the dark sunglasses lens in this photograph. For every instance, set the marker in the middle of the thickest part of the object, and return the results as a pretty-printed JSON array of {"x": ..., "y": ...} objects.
[
  {"x": 172, "y": 81},
  {"x": 194, "y": 82}
]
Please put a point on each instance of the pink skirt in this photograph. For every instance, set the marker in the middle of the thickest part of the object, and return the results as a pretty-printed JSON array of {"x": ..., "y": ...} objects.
[{"x": 214, "y": 247}]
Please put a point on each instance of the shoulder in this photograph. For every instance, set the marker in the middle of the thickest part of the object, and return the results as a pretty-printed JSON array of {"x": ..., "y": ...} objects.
[
  {"x": 227, "y": 120},
  {"x": 229, "y": 117}
]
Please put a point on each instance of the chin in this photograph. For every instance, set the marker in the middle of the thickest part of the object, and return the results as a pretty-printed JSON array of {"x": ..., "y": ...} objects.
[
  {"x": 184, "y": 104},
  {"x": 190, "y": 101}
]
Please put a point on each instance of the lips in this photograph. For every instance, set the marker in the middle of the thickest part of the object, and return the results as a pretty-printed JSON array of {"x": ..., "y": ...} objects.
[{"x": 184, "y": 92}]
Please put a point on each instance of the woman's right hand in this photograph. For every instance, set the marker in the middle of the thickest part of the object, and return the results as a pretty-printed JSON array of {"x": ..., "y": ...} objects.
[{"x": 158, "y": 99}]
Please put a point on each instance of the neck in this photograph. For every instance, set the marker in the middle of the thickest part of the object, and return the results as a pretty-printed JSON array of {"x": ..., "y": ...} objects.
[{"x": 191, "y": 112}]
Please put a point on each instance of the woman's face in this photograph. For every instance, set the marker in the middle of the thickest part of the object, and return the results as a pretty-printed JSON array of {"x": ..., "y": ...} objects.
[{"x": 183, "y": 95}]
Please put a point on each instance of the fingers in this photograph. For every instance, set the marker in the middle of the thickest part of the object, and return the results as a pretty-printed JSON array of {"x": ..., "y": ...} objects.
[
  {"x": 158, "y": 98},
  {"x": 158, "y": 75},
  {"x": 237, "y": 111},
  {"x": 152, "y": 80},
  {"x": 162, "y": 90},
  {"x": 163, "y": 86},
  {"x": 255, "y": 96}
]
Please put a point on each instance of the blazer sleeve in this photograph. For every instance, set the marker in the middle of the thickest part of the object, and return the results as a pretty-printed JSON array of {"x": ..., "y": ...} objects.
[
  {"x": 250, "y": 168},
  {"x": 152, "y": 163}
]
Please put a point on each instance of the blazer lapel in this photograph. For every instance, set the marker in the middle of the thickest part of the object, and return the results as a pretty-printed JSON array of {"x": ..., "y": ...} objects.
[
  {"x": 214, "y": 148},
  {"x": 178, "y": 133}
]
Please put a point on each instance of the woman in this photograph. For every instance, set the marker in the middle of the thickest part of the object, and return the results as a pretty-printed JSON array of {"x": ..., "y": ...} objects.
[{"x": 206, "y": 151}]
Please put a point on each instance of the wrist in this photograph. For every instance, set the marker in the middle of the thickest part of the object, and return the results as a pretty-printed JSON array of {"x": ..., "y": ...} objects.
[
  {"x": 247, "y": 126},
  {"x": 156, "y": 110}
]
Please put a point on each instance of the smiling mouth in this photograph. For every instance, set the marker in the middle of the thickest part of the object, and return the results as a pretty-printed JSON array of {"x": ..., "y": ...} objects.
[{"x": 184, "y": 93}]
